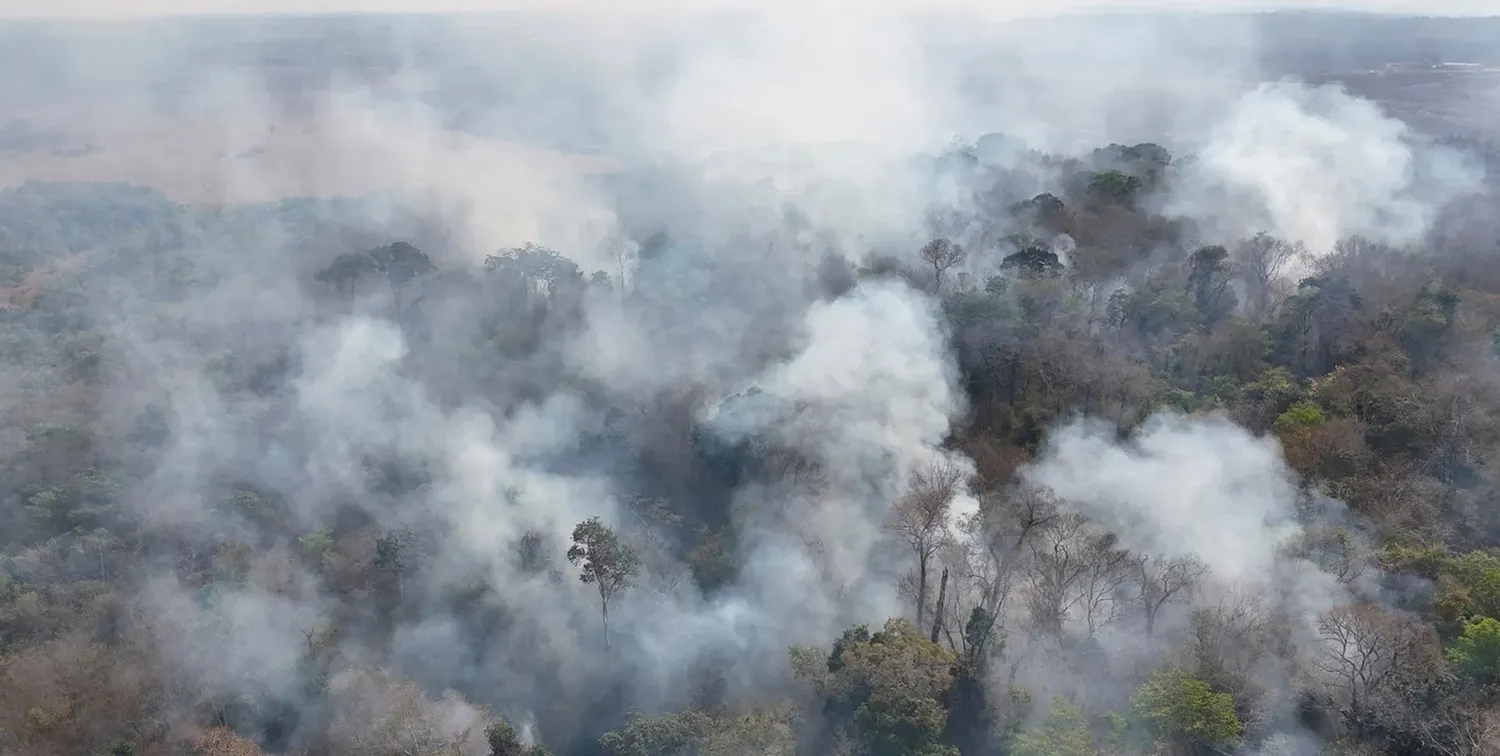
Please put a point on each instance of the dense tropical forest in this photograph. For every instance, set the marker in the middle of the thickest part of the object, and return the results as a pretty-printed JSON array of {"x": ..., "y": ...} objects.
[{"x": 1079, "y": 465}]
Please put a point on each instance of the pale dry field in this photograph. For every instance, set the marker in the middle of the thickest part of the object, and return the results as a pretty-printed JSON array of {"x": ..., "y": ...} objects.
[{"x": 238, "y": 157}]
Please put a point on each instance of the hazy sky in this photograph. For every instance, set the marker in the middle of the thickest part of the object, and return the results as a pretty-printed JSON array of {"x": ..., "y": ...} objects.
[{"x": 97, "y": 8}]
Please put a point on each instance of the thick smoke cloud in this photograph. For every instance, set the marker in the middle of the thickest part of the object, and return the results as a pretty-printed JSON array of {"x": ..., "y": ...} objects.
[
  {"x": 1183, "y": 488},
  {"x": 734, "y": 191},
  {"x": 1317, "y": 165}
]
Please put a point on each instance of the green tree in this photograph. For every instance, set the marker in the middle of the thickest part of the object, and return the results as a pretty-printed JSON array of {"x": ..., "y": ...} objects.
[
  {"x": 504, "y": 741},
  {"x": 400, "y": 263},
  {"x": 767, "y": 732},
  {"x": 398, "y": 553},
  {"x": 886, "y": 690},
  {"x": 344, "y": 272},
  {"x": 1209, "y": 277},
  {"x": 1114, "y": 187},
  {"x": 1468, "y": 584},
  {"x": 605, "y": 562},
  {"x": 1033, "y": 260},
  {"x": 1476, "y": 654},
  {"x": 1065, "y": 733},
  {"x": 1299, "y": 418},
  {"x": 679, "y": 734},
  {"x": 1428, "y": 325},
  {"x": 1185, "y": 713},
  {"x": 316, "y": 545}
]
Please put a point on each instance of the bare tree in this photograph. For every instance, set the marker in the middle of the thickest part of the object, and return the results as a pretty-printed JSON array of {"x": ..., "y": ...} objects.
[
  {"x": 1472, "y": 730},
  {"x": 1261, "y": 260},
  {"x": 625, "y": 252},
  {"x": 1337, "y": 550},
  {"x": 1006, "y": 527},
  {"x": 654, "y": 524},
  {"x": 1055, "y": 566},
  {"x": 1364, "y": 652},
  {"x": 1231, "y": 641},
  {"x": 1100, "y": 596},
  {"x": 1162, "y": 581},
  {"x": 920, "y": 520},
  {"x": 377, "y": 713},
  {"x": 941, "y": 253}
]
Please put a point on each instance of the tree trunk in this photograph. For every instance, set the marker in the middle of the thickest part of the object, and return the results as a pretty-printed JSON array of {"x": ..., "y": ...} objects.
[
  {"x": 921, "y": 589},
  {"x": 937, "y": 620},
  {"x": 604, "y": 612}
]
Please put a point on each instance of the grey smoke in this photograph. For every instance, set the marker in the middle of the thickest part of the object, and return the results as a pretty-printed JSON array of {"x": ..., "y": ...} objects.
[{"x": 810, "y": 110}]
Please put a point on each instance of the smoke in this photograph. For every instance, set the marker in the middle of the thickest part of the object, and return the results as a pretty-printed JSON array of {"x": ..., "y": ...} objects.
[
  {"x": 1317, "y": 165},
  {"x": 1207, "y": 489},
  {"x": 737, "y": 176},
  {"x": 869, "y": 397},
  {"x": 1179, "y": 488}
]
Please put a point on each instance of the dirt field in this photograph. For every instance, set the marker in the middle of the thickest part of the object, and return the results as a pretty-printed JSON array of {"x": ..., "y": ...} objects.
[
  {"x": 226, "y": 158},
  {"x": 1441, "y": 101}
]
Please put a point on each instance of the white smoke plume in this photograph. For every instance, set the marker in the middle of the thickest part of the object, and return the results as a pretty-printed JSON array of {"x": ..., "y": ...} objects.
[
  {"x": 783, "y": 144},
  {"x": 1316, "y": 165},
  {"x": 1180, "y": 487}
]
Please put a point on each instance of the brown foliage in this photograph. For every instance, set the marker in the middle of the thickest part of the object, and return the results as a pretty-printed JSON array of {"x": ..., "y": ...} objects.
[
  {"x": 219, "y": 741},
  {"x": 72, "y": 696}
]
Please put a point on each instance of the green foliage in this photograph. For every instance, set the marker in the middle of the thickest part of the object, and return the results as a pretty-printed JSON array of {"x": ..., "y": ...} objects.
[
  {"x": 504, "y": 741},
  {"x": 399, "y": 553},
  {"x": 1427, "y": 561},
  {"x": 1302, "y": 416},
  {"x": 316, "y": 545},
  {"x": 667, "y": 735},
  {"x": 1065, "y": 733},
  {"x": 1468, "y": 584},
  {"x": 767, "y": 732},
  {"x": 604, "y": 559},
  {"x": 119, "y": 748},
  {"x": 1476, "y": 654},
  {"x": 712, "y": 559},
  {"x": 1371, "y": 360},
  {"x": 1425, "y": 329},
  {"x": 1177, "y": 707},
  {"x": 1209, "y": 278},
  {"x": 1114, "y": 187},
  {"x": 84, "y": 502},
  {"x": 401, "y": 262},
  {"x": 886, "y": 689},
  {"x": 1155, "y": 311},
  {"x": 1033, "y": 260},
  {"x": 532, "y": 265}
]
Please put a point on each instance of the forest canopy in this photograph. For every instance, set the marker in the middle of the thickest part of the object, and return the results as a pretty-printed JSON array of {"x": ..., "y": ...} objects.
[{"x": 993, "y": 450}]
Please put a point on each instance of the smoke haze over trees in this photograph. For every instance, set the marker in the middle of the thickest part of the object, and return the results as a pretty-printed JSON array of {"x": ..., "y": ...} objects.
[{"x": 787, "y": 382}]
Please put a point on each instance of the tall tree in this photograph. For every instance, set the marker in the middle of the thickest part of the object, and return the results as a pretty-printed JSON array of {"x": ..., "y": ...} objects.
[
  {"x": 1163, "y": 580},
  {"x": 920, "y": 521},
  {"x": 1261, "y": 261},
  {"x": 941, "y": 254},
  {"x": 1366, "y": 654},
  {"x": 606, "y": 562}
]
